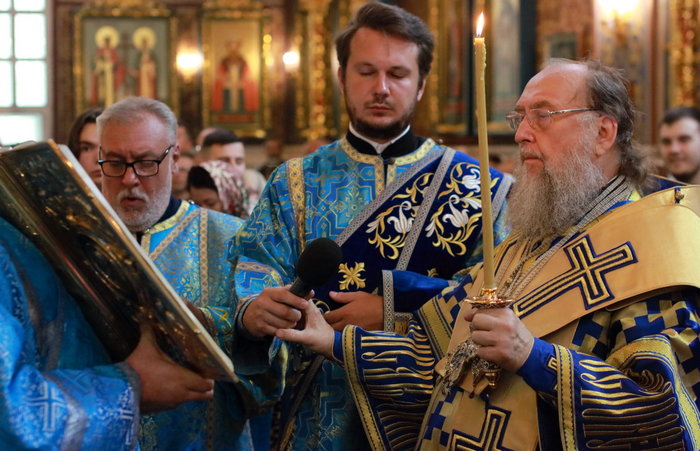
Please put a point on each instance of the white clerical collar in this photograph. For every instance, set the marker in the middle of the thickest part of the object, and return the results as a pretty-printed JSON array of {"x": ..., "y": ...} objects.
[{"x": 378, "y": 147}]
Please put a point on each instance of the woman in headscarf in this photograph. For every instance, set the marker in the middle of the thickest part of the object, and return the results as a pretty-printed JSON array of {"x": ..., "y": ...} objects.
[{"x": 213, "y": 185}]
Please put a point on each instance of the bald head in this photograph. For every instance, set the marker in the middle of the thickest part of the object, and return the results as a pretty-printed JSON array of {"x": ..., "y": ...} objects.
[
  {"x": 568, "y": 80},
  {"x": 589, "y": 84},
  {"x": 556, "y": 87}
]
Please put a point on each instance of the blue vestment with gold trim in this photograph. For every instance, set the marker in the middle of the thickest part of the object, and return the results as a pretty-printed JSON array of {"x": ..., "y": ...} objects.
[
  {"x": 58, "y": 388},
  {"x": 616, "y": 364},
  {"x": 190, "y": 249},
  {"x": 374, "y": 211}
]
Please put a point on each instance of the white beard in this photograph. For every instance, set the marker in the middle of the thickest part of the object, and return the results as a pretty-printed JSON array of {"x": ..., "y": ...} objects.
[{"x": 546, "y": 204}]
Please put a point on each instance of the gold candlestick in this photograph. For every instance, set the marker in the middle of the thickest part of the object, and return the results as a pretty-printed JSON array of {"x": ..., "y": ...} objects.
[{"x": 465, "y": 354}]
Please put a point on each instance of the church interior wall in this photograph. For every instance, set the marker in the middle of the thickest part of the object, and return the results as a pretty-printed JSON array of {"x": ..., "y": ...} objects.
[{"x": 303, "y": 101}]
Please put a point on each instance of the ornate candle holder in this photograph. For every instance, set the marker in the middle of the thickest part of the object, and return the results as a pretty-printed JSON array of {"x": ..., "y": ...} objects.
[{"x": 464, "y": 354}]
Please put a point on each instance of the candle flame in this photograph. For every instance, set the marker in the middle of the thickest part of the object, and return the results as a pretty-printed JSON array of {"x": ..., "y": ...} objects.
[{"x": 480, "y": 25}]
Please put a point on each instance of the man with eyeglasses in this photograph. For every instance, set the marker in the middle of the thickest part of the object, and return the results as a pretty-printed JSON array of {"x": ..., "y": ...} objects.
[
  {"x": 599, "y": 349},
  {"x": 138, "y": 156}
]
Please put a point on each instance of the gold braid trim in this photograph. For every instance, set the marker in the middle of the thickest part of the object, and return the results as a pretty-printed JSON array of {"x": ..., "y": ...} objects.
[
  {"x": 565, "y": 393},
  {"x": 297, "y": 193},
  {"x": 203, "y": 258},
  {"x": 388, "y": 298},
  {"x": 374, "y": 160},
  {"x": 181, "y": 224}
]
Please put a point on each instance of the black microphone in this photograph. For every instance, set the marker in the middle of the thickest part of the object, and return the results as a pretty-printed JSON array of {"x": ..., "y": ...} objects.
[{"x": 316, "y": 265}]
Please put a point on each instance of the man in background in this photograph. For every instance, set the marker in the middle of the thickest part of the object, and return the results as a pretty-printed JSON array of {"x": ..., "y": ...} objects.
[
  {"x": 226, "y": 146},
  {"x": 680, "y": 143}
]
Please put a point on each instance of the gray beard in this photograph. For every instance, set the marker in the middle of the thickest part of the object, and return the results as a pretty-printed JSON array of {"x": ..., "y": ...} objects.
[
  {"x": 140, "y": 220},
  {"x": 547, "y": 204}
]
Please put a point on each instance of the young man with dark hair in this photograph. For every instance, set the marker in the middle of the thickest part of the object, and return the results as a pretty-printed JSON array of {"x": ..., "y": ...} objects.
[
  {"x": 680, "y": 143},
  {"x": 405, "y": 211}
]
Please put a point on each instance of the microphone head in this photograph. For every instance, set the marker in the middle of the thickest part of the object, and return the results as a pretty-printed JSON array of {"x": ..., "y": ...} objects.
[{"x": 319, "y": 262}]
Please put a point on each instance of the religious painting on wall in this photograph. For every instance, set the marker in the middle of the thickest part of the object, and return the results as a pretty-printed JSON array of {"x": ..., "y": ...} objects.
[
  {"x": 503, "y": 38},
  {"x": 624, "y": 41},
  {"x": 450, "y": 81},
  {"x": 122, "y": 53},
  {"x": 236, "y": 94},
  {"x": 451, "y": 84}
]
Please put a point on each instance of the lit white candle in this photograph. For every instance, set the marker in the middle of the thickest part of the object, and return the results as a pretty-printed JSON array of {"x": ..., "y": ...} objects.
[{"x": 486, "y": 218}]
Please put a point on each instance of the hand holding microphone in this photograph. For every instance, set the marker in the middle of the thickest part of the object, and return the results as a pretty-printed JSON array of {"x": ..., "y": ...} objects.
[
  {"x": 316, "y": 265},
  {"x": 279, "y": 307}
]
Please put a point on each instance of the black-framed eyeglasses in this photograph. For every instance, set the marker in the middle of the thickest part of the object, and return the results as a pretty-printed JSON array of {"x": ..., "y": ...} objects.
[
  {"x": 142, "y": 168},
  {"x": 537, "y": 117}
]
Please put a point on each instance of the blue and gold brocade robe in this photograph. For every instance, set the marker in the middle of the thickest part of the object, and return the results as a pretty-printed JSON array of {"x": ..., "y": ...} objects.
[
  {"x": 190, "y": 250},
  {"x": 58, "y": 388},
  {"x": 624, "y": 373},
  {"x": 369, "y": 208}
]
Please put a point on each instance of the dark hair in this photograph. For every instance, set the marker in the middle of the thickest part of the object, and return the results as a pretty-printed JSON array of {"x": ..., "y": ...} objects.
[
  {"x": 220, "y": 136},
  {"x": 198, "y": 177},
  {"x": 391, "y": 20},
  {"x": 680, "y": 112},
  {"x": 86, "y": 117}
]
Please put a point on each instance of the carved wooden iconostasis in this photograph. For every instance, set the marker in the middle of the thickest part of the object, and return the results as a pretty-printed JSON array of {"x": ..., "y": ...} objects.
[{"x": 268, "y": 67}]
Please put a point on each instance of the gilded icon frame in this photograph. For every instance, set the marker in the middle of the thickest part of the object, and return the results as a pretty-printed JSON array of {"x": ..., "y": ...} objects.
[
  {"x": 108, "y": 69},
  {"x": 510, "y": 62},
  {"x": 236, "y": 87}
]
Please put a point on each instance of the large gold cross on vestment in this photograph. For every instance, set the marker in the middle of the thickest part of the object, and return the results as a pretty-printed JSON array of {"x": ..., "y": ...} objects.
[
  {"x": 490, "y": 437},
  {"x": 587, "y": 273}
]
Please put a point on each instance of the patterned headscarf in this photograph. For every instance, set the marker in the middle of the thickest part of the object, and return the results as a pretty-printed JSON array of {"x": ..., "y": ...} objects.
[{"x": 231, "y": 191}]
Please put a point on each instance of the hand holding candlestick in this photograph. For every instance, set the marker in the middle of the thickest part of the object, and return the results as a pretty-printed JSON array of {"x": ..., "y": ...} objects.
[
  {"x": 486, "y": 218},
  {"x": 466, "y": 352}
]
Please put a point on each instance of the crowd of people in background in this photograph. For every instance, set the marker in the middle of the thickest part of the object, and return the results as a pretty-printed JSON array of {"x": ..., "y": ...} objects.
[{"x": 679, "y": 151}]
